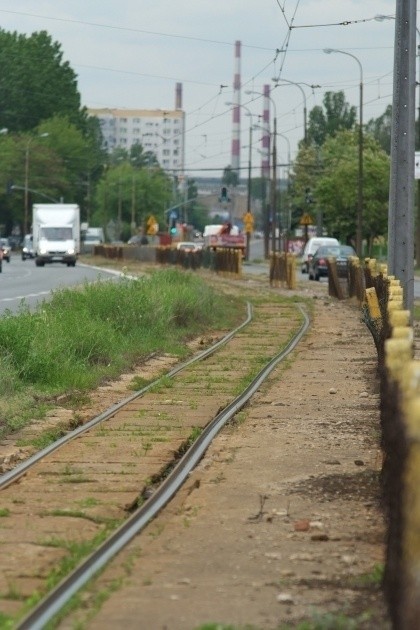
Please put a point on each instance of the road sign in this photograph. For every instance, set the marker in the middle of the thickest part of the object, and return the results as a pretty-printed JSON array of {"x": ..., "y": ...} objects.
[
  {"x": 248, "y": 222},
  {"x": 306, "y": 219}
]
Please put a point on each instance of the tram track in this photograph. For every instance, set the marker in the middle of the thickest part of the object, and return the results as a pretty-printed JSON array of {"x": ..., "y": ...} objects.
[{"x": 104, "y": 475}]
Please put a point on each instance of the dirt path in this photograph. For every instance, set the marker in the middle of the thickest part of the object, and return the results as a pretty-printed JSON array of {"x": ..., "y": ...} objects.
[{"x": 280, "y": 521}]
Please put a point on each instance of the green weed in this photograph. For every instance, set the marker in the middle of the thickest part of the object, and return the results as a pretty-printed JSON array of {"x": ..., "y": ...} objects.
[{"x": 117, "y": 324}]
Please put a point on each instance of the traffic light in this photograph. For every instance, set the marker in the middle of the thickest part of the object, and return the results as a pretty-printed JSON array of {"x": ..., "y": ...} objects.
[
  {"x": 224, "y": 195},
  {"x": 172, "y": 228}
]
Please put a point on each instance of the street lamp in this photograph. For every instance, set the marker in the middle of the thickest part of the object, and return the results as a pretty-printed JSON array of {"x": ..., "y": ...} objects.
[
  {"x": 273, "y": 195},
  {"x": 298, "y": 85},
  {"x": 248, "y": 203},
  {"x": 359, "y": 237},
  {"x": 288, "y": 181},
  {"x": 25, "y": 220}
]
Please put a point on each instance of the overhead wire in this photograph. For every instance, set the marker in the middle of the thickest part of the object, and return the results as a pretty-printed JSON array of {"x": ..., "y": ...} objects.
[{"x": 283, "y": 50}]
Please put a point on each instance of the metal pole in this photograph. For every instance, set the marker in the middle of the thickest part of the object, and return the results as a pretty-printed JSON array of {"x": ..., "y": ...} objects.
[
  {"x": 133, "y": 204},
  {"x": 286, "y": 218},
  {"x": 305, "y": 125},
  {"x": 359, "y": 233},
  {"x": 248, "y": 203},
  {"x": 26, "y": 204},
  {"x": 273, "y": 188},
  {"x": 417, "y": 249},
  {"x": 359, "y": 217}
]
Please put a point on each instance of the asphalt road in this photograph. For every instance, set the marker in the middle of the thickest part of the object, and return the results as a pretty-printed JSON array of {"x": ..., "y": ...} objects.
[{"x": 23, "y": 282}]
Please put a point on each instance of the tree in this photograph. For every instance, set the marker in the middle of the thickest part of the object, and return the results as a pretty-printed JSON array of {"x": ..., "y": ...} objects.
[
  {"x": 230, "y": 177},
  {"x": 18, "y": 153},
  {"x": 380, "y": 128},
  {"x": 336, "y": 189},
  {"x": 335, "y": 115},
  {"x": 123, "y": 184},
  {"x": 303, "y": 179},
  {"x": 35, "y": 82}
]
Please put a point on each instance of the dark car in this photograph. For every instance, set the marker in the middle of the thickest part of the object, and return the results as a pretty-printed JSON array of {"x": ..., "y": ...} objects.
[{"x": 318, "y": 266}]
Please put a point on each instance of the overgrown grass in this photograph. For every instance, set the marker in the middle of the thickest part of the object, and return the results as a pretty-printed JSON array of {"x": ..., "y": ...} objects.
[{"x": 81, "y": 338}]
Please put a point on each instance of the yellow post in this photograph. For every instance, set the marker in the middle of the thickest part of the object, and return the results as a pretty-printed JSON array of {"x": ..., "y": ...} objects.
[
  {"x": 373, "y": 303},
  {"x": 411, "y": 511}
]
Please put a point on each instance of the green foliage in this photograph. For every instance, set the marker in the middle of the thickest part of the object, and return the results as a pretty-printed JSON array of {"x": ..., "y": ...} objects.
[
  {"x": 126, "y": 191},
  {"x": 335, "y": 115},
  {"x": 336, "y": 189},
  {"x": 35, "y": 82},
  {"x": 331, "y": 173},
  {"x": 380, "y": 129},
  {"x": 82, "y": 337},
  {"x": 230, "y": 177}
]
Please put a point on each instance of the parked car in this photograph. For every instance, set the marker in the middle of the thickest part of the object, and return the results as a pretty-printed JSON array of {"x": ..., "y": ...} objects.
[
  {"x": 5, "y": 247},
  {"x": 27, "y": 247},
  {"x": 318, "y": 266},
  {"x": 311, "y": 246},
  {"x": 138, "y": 239},
  {"x": 189, "y": 246}
]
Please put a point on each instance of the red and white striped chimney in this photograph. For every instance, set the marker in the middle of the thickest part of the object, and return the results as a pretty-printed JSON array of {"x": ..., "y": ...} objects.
[
  {"x": 265, "y": 162},
  {"x": 236, "y": 127}
]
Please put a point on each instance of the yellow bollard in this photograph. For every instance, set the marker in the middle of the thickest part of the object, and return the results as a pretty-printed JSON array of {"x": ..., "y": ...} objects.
[
  {"x": 373, "y": 303},
  {"x": 398, "y": 354},
  {"x": 399, "y": 317},
  {"x": 411, "y": 516}
]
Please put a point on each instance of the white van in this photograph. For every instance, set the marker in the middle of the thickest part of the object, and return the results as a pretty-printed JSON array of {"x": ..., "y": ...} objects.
[{"x": 311, "y": 247}]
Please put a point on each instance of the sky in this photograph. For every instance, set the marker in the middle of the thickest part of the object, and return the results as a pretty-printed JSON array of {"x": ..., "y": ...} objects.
[{"x": 131, "y": 53}]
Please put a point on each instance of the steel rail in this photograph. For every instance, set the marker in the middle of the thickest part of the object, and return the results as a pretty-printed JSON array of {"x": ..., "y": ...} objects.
[
  {"x": 12, "y": 475},
  {"x": 52, "y": 603}
]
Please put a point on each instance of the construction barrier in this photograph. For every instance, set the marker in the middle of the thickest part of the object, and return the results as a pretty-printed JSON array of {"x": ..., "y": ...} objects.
[{"x": 283, "y": 270}]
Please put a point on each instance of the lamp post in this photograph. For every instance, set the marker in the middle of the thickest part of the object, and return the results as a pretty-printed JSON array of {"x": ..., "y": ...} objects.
[
  {"x": 133, "y": 224},
  {"x": 288, "y": 181},
  {"x": 249, "y": 187},
  {"x": 26, "y": 202},
  {"x": 359, "y": 236},
  {"x": 298, "y": 85},
  {"x": 273, "y": 190}
]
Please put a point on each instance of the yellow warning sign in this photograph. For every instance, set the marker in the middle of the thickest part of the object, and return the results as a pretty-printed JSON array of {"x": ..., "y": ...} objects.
[{"x": 306, "y": 219}]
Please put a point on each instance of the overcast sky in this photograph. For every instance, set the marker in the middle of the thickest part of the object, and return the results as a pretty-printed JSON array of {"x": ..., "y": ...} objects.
[{"x": 131, "y": 53}]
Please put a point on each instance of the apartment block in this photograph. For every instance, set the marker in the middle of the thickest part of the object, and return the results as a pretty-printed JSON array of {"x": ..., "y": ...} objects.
[{"x": 159, "y": 131}]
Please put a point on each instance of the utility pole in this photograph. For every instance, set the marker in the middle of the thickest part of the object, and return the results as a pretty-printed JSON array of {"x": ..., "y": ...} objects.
[
  {"x": 273, "y": 188},
  {"x": 401, "y": 197},
  {"x": 417, "y": 249}
]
